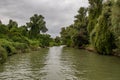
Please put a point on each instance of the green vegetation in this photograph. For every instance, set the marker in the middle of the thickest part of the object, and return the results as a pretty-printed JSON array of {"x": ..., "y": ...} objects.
[
  {"x": 116, "y": 22},
  {"x": 19, "y": 39},
  {"x": 94, "y": 11},
  {"x": 103, "y": 41},
  {"x": 96, "y": 27},
  {"x": 36, "y": 25},
  {"x": 76, "y": 34},
  {"x": 100, "y": 28},
  {"x": 3, "y": 55}
]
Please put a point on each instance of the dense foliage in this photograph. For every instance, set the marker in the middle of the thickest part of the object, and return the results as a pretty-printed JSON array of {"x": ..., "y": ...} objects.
[
  {"x": 103, "y": 38},
  {"x": 100, "y": 28},
  {"x": 116, "y": 22},
  {"x": 18, "y": 39},
  {"x": 96, "y": 27},
  {"x": 36, "y": 25},
  {"x": 76, "y": 34}
]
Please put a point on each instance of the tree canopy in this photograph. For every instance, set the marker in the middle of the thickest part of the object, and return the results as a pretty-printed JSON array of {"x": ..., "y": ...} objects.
[
  {"x": 36, "y": 25},
  {"x": 98, "y": 25}
]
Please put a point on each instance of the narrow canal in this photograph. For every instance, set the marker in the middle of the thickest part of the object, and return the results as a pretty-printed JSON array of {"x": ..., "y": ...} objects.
[{"x": 59, "y": 63}]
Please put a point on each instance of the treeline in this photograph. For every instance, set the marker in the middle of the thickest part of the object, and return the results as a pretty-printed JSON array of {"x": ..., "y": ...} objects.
[
  {"x": 19, "y": 39},
  {"x": 95, "y": 27}
]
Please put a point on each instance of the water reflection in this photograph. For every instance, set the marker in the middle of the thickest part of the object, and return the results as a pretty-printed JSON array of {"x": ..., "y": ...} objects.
[
  {"x": 58, "y": 63},
  {"x": 83, "y": 65},
  {"x": 15, "y": 68},
  {"x": 74, "y": 63},
  {"x": 37, "y": 62},
  {"x": 24, "y": 66},
  {"x": 53, "y": 67}
]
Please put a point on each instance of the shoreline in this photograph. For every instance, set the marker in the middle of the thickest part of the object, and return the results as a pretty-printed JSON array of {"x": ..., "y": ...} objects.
[
  {"x": 114, "y": 53},
  {"x": 4, "y": 54}
]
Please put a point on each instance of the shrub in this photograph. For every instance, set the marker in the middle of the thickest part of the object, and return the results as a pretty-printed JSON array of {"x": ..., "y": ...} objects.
[
  {"x": 21, "y": 39},
  {"x": 35, "y": 43},
  {"x": 3, "y": 55},
  {"x": 20, "y": 46},
  {"x": 8, "y": 46}
]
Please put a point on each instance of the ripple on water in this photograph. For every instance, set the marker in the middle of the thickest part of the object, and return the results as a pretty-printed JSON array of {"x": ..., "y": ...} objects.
[{"x": 60, "y": 64}]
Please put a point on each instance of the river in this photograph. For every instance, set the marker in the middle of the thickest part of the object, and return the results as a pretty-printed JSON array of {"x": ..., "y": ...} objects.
[{"x": 58, "y": 63}]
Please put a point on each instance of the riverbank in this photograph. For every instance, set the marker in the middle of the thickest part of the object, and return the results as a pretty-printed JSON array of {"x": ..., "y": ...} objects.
[
  {"x": 90, "y": 48},
  {"x": 4, "y": 53},
  {"x": 116, "y": 52},
  {"x": 9, "y": 48}
]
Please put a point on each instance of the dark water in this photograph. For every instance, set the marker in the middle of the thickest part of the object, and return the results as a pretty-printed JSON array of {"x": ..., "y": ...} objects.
[{"x": 58, "y": 63}]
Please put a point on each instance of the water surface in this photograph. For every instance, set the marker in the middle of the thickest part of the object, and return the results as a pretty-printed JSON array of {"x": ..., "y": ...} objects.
[{"x": 58, "y": 63}]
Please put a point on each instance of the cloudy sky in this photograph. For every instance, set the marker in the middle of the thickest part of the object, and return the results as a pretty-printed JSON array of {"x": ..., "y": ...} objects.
[{"x": 57, "y": 13}]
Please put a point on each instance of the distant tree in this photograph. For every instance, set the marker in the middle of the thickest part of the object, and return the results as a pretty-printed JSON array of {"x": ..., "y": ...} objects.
[
  {"x": 80, "y": 24},
  {"x": 63, "y": 33},
  {"x": 44, "y": 40},
  {"x": 0, "y": 22},
  {"x": 67, "y": 35},
  {"x": 58, "y": 40},
  {"x": 81, "y": 19},
  {"x": 23, "y": 30},
  {"x": 3, "y": 30},
  {"x": 36, "y": 25},
  {"x": 12, "y": 24},
  {"x": 76, "y": 35}
]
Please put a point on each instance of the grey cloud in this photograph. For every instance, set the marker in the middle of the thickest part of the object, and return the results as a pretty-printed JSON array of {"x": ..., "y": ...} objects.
[{"x": 57, "y": 13}]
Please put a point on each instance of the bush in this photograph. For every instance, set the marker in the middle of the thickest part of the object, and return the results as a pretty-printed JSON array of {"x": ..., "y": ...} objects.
[
  {"x": 3, "y": 55},
  {"x": 35, "y": 43},
  {"x": 20, "y": 46},
  {"x": 8, "y": 46},
  {"x": 21, "y": 39}
]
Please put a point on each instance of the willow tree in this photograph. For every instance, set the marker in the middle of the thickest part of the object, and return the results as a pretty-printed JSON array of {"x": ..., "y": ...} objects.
[
  {"x": 80, "y": 24},
  {"x": 36, "y": 25},
  {"x": 81, "y": 19},
  {"x": 76, "y": 34},
  {"x": 94, "y": 9},
  {"x": 67, "y": 35},
  {"x": 103, "y": 37},
  {"x": 116, "y": 21}
]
